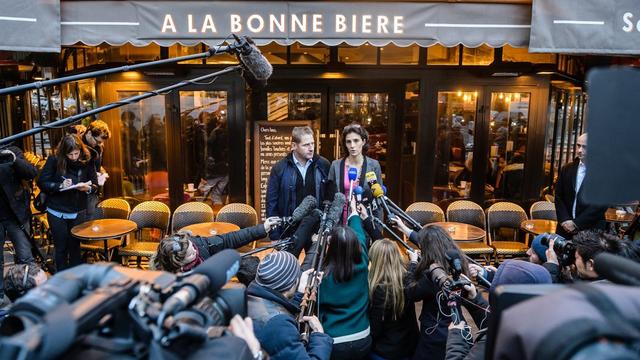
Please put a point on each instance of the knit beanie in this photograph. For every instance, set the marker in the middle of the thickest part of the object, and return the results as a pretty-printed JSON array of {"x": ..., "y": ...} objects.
[
  {"x": 278, "y": 271},
  {"x": 538, "y": 248},
  {"x": 520, "y": 272}
]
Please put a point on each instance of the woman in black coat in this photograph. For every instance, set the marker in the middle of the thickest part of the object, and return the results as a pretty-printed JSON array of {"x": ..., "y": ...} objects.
[
  {"x": 435, "y": 316},
  {"x": 67, "y": 178}
]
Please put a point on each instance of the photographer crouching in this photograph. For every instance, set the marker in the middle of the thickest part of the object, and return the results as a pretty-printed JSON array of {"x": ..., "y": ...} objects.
[
  {"x": 570, "y": 260},
  {"x": 182, "y": 251}
]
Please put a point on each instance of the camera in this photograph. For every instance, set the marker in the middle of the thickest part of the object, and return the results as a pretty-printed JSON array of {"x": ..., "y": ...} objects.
[
  {"x": 565, "y": 249},
  {"x": 451, "y": 284},
  {"x": 128, "y": 313}
]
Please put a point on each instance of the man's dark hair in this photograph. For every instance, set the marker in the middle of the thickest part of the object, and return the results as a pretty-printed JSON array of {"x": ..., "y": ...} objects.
[
  {"x": 590, "y": 243},
  {"x": 248, "y": 269}
]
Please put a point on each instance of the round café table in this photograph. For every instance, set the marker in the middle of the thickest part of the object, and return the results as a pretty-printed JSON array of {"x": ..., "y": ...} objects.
[
  {"x": 539, "y": 226},
  {"x": 103, "y": 229},
  {"x": 611, "y": 216},
  {"x": 461, "y": 231},
  {"x": 211, "y": 228}
]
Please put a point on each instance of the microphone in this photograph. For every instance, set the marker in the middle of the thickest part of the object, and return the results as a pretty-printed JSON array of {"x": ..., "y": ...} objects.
[
  {"x": 358, "y": 193},
  {"x": 378, "y": 193},
  {"x": 371, "y": 177},
  {"x": 335, "y": 212},
  {"x": 454, "y": 260},
  {"x": 252, "y": 59},
  {"x": 306, "y": 206},
  {"x": 353, "y": 175},
  {"x": 207, "y": 278},
  {"x": 617, "y": 269}
]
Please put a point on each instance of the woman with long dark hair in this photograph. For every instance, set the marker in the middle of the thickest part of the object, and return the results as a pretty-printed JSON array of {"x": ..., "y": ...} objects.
[
  {"x": 355, "y": 144},
  {"x": 435, "y": 316},
  {"x": 67, "y": 178},
  {"x": 392, "y": 315},
  {"x": 343, "y": 298}
]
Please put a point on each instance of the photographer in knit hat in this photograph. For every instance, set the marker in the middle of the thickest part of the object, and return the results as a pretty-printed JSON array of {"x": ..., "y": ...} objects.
[{"x": 273, "y": 304}]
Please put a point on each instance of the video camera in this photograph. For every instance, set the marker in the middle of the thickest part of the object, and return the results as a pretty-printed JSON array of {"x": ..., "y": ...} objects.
[
  {"x": 565, "y": 249},
  {"x": 451, "y": 284},
  {"x": 110, "y": 310}
]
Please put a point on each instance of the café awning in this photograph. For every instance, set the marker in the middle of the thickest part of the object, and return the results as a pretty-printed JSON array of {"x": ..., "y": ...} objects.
[
  {"x": 30, "y": 25},
  {"x": 285, "y": 22},
  {"x": 586, "y": 26}
]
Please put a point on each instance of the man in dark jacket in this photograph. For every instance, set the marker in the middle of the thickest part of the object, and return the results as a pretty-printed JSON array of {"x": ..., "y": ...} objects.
[
  {"x": 573, "y": 213},
  {"x": 273, "y": 311},
  {"x": 299, "y": 174},
  {"x": 15, "y": 212}
]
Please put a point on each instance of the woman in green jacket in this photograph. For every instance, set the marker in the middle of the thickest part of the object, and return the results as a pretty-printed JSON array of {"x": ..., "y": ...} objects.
[{"x": 344, "y": 299}]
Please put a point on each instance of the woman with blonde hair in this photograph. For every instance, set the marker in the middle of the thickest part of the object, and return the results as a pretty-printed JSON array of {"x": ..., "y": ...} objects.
[{"x": 392, "y": 315}]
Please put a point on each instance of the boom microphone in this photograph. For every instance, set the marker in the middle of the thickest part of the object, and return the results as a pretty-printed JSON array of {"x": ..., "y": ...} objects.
[
  {"x": 378, "y": 193},
  {"x": 306, "y": 206},
  {"x": 252, "y": 59},
  {"x": 207, "y": 278},
  {"x": 617, "y": 269},
  {"x": 335, "y": 211}
]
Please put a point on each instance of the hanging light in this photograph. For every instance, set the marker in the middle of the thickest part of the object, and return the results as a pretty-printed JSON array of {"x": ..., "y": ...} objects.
[
  {"x": 459, "y": 93},
  {"x": 501, "y": 96}
]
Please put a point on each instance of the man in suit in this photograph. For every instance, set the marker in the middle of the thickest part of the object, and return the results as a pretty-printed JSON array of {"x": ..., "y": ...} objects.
[
  {"x": 573, "y": 213},
  {"x": 15, "y": 213}
]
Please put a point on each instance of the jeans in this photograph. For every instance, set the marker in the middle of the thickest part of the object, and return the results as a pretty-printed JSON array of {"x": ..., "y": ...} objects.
[
  {"x": 21, "y": 244},
  {"x": 67, "y": 247},
  {"x": 352, "y": 350}
]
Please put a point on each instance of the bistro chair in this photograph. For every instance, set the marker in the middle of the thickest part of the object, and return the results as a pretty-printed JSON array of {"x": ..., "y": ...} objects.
[
  {"x": 147, "y": 215},
  {"x": 543, "y": 210},
  {"x": 107, "y": 209},
  {"x": 190, "y": 213},
  {"x": 468, "y": 212},
  {"x": 425, "y": 212},
  {"x": 506, "y": 215},
  {"x": 240, "y": 214},
  {"x": 113, "y": 209}
]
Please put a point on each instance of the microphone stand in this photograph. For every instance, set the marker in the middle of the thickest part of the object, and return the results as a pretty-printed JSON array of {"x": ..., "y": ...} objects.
[
  {"x": 395, "y": 236},
  {"x": 279, "y": 245},
  {"x": 403, "y": 215},
  {"x": 40, "y": 84},
  {"x": 116, "y": 104}
]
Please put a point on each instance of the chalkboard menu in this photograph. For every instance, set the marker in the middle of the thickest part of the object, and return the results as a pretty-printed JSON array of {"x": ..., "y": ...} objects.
[{"x": 271, "y": 143}]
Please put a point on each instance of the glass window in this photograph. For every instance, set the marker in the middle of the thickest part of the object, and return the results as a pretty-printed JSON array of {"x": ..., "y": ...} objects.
[
  {"x": 454, "y": 143},
  {"x": 371, "y": 110},
  {"x": 440, "y": 55},
  {"x": 302, "y": 54},
  {"x": 364, "y": 54},
  {"x": 276, "y": 54},
  {"x": 482, "y": 55},
  {"x": 69, "y": 96},
  {"x": 87, "y": 90},
  {"x": 294, "y": 106},
  {"x": 144, "y": 147},
  {"x": 205, "y": 139},
  {"x": 396, "y": 55},
  {"x": 512, "y": 54},
  {"x": 131, "y": 54},
  {"x": 548, "y": 152},
  {"x": 508, "y": 139},
  {"x": 411, "y": 115},
  {"x": 178, "y": 50}
]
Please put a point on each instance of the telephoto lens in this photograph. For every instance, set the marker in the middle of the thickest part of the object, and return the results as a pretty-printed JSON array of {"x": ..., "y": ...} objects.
[{"x": 565, "y": 249}]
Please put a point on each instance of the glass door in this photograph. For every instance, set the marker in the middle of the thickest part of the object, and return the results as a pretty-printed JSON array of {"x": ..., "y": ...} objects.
[
  {"x": 205, "y": 145},
  {"x": 508, "y": 128},
  {"x": 372, "y": 111},
  {"x": 481, "y": 143}
]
